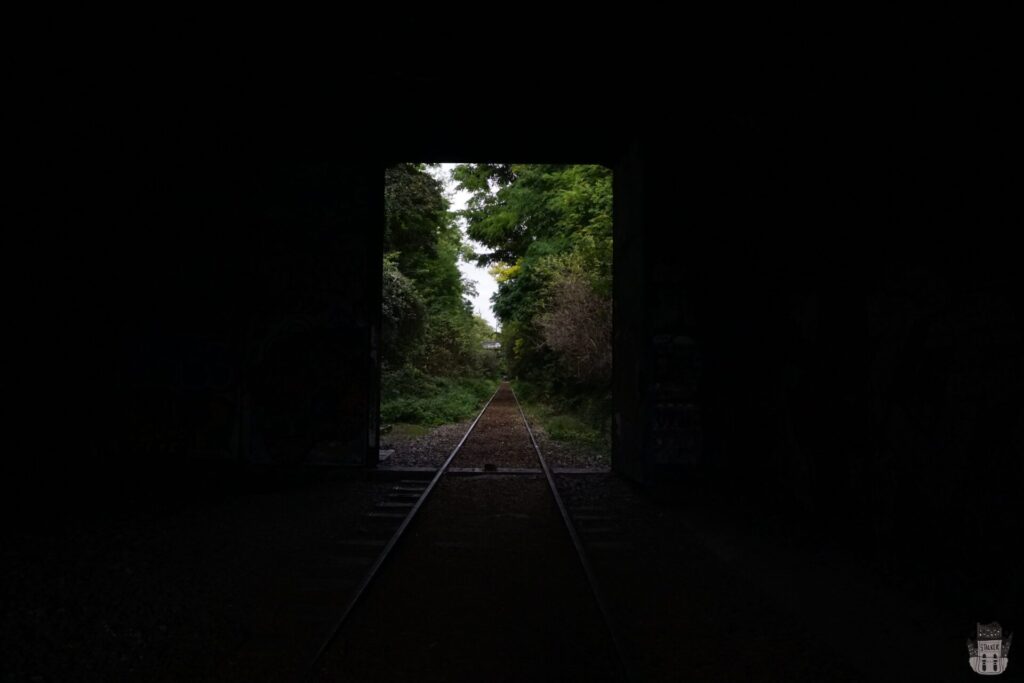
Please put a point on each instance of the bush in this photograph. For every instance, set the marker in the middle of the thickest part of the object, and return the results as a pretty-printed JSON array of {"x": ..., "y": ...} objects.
[{"x": 414, "y": 397}]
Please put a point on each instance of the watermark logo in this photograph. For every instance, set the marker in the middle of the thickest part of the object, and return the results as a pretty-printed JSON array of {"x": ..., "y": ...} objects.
[{"x": 988, "y": 652}]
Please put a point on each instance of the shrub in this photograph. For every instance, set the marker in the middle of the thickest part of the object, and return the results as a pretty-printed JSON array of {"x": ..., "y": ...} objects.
[{"x": 412, "y": 396}]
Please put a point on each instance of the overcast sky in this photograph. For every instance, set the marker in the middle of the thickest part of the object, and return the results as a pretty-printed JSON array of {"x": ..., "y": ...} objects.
[{"x": 485, "y": 284}]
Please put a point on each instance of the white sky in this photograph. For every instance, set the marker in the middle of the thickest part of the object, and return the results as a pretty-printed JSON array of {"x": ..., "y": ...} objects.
[{"x": 485, "y": 283}]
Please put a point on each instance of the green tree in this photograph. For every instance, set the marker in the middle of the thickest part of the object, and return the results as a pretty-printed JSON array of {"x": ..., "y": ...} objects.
[
  {"x": 428, "y": 328},
  {"x": 403, "y": 314},
  {"x": 549, "y": 229}
]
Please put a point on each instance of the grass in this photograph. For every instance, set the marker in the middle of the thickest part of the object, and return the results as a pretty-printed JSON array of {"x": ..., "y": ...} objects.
[
  {"x": 567, "y": 423},
  {"x": 404, "y": 431},
  {"x": 412, "y": 402},
  {"x": 410, "y": 397}
]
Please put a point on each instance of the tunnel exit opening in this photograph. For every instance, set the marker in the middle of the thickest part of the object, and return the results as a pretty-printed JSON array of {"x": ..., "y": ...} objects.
[{"x": 488, "y": 272}]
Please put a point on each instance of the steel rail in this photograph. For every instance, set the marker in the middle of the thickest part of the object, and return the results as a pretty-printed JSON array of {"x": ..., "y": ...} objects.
[
  {"x": 375, "y": 567},
  {"x": 580, "y": 552}
]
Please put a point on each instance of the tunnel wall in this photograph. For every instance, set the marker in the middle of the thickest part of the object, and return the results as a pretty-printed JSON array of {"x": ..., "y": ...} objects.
[
  {"x": 831, "y": 316},
  {"x": 815, "y": 293},
  {"x": 215, "y": 313}
]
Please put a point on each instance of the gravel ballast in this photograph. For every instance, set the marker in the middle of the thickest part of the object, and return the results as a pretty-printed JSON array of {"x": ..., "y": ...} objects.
[
  {"x": 485, "y": 585},
  {"x": 432, "y": 448},
  {"x": 429, "y": 450}
]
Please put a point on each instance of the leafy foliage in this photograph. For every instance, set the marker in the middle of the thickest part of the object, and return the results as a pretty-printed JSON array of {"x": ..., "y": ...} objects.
[
  {"x": 415, "y": 397},
  {"x": 584, "y": 422},
  {"x": 430, "y": 340},
  {"x": 403, "y": 313},
  {"x": 549, "y": 229}
]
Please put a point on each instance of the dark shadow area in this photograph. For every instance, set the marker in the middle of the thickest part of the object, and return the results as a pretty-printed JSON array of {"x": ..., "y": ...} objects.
[{"x": 817, "y": 330}]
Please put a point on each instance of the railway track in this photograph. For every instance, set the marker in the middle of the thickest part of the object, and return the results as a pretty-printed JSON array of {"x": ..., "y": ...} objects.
[{"x": 484, "y": 576}]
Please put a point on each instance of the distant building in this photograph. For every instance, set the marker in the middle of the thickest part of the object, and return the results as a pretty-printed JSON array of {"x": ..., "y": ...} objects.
[{"x": 492, "y": 345}]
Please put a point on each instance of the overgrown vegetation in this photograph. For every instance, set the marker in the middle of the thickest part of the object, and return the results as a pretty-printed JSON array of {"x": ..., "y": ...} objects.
[
  {"x": 414, "y": 397},
  {"x": 549, "y": 229},
  {"x": 586, "y": 424},
  {"x": 434, "y": 368}
]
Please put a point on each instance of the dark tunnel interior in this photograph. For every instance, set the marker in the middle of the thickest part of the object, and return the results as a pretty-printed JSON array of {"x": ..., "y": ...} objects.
[{"x": 817, "y": 297}]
